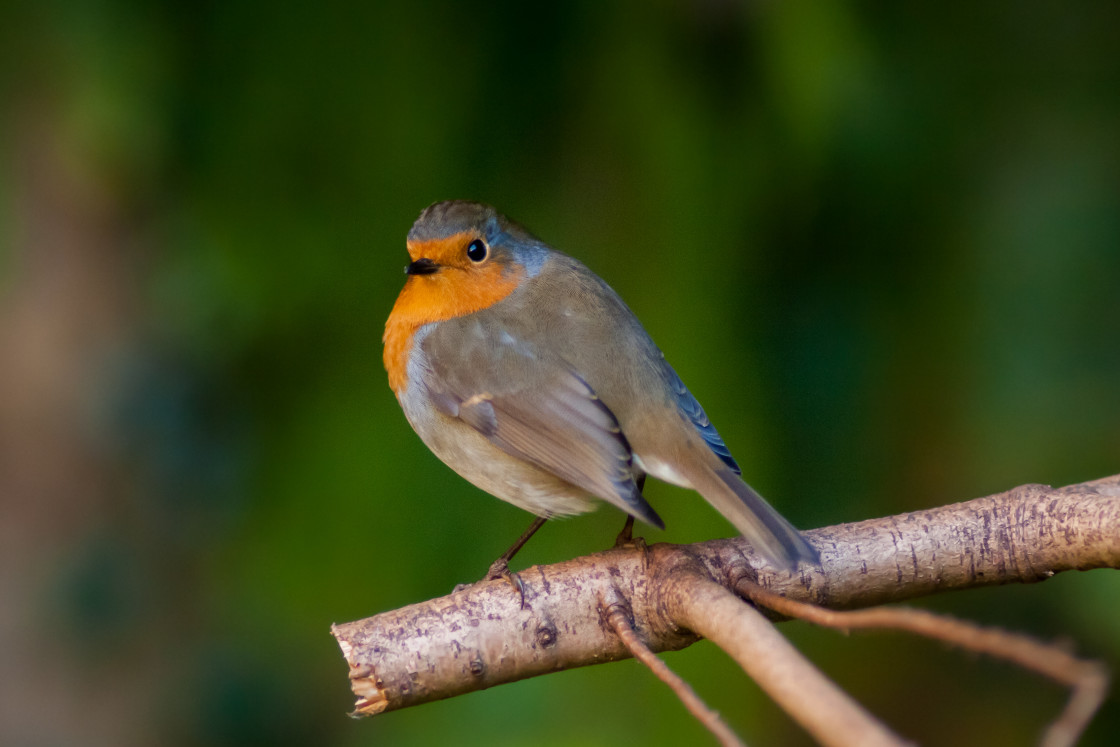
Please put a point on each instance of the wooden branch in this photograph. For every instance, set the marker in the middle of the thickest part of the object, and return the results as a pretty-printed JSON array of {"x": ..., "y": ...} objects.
[{"x": 481, "y": 636}]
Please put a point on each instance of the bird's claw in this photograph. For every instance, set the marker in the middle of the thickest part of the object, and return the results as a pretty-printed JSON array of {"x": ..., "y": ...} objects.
[
  {"x": 626, "y": 537},
  {"x": 499, "y": 569}
]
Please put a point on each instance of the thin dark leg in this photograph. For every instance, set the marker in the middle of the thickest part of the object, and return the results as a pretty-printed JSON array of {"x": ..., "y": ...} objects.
[
  {"x": 500, "y": 567},
  {"x": 626, "y": 536}
]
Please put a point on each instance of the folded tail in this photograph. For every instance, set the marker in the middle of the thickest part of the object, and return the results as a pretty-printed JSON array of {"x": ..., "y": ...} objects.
[{"x": 767, "y": 531}]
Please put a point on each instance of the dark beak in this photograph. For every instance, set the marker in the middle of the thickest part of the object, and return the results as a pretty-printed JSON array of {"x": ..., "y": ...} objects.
[{"x": 422, "y": 266}]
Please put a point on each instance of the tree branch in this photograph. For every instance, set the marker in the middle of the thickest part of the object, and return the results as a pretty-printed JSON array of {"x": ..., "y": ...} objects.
[{"x": 480, "y": 637}]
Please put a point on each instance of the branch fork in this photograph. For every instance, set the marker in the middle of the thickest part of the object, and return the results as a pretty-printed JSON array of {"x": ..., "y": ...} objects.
[{"x": 636, "y": 601}]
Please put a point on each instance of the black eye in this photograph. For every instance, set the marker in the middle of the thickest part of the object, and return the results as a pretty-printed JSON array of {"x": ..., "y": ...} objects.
[{"x": 477, "y": 250}]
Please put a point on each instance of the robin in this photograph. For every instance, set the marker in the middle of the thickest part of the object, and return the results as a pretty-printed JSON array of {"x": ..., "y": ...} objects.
[{"x": 527, "y": 374}]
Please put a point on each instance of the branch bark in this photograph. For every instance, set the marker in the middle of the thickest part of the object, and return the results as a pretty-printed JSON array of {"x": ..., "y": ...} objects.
[{"x": 482, "y": 636}]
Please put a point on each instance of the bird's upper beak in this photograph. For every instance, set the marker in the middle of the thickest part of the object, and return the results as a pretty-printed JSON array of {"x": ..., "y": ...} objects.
[{"x": 422, "y": 266}]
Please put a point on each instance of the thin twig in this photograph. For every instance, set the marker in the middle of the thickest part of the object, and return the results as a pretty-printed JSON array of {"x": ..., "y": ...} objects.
[
  {"x": 1088, "y": 680},
  {"x": 619, "y": 621}
]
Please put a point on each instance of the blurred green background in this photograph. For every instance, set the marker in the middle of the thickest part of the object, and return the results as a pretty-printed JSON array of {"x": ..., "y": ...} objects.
[{"x": 880, "y": 243}]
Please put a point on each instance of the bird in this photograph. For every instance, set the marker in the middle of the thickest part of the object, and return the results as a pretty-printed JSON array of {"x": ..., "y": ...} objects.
[{"x": 529, "y": 376}]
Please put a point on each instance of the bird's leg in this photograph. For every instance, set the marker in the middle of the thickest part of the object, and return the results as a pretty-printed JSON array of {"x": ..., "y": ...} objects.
[
  {"x": 500, "y": 567},
  {"x": 626, "y": 536}
]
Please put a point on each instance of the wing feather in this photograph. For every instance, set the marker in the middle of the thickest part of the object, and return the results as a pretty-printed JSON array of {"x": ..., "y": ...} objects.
[
  {"x": 689, "y": 405},
  {"x": 542, "y": 412}
]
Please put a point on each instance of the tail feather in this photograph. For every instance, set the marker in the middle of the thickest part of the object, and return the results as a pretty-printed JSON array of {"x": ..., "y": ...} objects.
[{"x": 767, "y": 531}]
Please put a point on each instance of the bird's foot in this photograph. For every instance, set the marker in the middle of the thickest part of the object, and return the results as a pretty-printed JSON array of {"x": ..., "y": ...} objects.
[
  {"x": 626, "y": 539},
  {"x": 499, "y": 569},
  {"x": 626, "y": 536}
]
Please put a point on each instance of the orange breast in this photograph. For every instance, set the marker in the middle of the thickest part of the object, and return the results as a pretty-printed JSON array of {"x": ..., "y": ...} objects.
[{"x": 452, "y": 292}]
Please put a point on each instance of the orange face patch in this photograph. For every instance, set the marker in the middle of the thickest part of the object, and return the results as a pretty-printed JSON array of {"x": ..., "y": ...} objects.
[{"x": 458, "y": 288}]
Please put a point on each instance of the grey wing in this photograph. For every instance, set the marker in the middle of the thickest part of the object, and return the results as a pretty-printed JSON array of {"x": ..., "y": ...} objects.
[{"x": 541, "y": 412}]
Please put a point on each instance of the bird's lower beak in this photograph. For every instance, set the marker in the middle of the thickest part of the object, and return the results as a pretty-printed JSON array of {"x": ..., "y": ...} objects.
[{"x": 422, "y": 266}]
